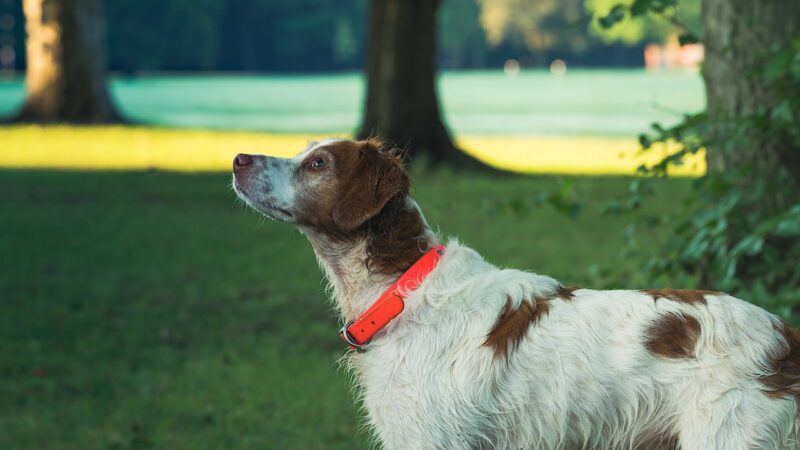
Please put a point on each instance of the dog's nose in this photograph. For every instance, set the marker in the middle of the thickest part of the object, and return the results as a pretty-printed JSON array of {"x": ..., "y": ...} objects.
[{"x": 241, "y": 160}]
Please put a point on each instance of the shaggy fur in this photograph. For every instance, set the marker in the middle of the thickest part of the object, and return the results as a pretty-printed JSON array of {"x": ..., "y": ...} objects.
[{"x": 484, "y": 357}]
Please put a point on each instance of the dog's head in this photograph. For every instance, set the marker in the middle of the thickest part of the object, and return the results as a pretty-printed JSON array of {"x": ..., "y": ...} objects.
[{"x": 332, "y": 186}]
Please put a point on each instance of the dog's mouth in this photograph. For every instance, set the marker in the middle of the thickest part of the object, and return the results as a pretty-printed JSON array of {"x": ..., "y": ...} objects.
[{"x": 264, "y": 206}]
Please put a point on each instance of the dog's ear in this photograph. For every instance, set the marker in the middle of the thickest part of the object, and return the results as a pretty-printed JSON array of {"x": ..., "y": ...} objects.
[{"x": 375, "y": 180}]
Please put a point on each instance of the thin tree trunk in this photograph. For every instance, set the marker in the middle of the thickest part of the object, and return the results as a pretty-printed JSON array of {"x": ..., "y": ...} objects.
[
  {"x": 65, "y": 77},
  {"x": 738, "y": 36},
  {"x": 401, "y": 100}
]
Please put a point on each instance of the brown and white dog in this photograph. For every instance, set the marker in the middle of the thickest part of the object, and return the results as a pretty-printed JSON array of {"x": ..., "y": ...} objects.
[{"x": 483, "y": 357}]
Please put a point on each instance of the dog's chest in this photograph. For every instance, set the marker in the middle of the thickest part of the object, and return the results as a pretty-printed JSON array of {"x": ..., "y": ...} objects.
[{"x": 424, "y": 393}]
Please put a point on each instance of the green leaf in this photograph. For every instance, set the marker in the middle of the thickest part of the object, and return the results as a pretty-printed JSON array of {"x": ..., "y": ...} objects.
[
  {"x": 563, "y": 201},
  {"x": 629, "y": 234},
  {"x": 795, "y": 68},
  {"x": 617, "y": 14},
  {"x": 688, "y": 38},
  {"x": 790, "y": 226},
  {"x": 783, "y": 112},
  {"x": 640, "y": 7},
  {"x": 777, "y": 66},
  {"x": 645, "y": 141},
  {"x": 658, "y": 7},
  {"x": 728, "y": 272},
  {"x": 750, "y": 245},
  {"x": 696, "y": 248}
]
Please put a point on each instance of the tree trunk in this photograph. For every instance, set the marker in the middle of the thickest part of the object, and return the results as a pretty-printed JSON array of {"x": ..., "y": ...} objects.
[
  {"x": 738, "y": 36},
  {"x": 66, "y": 63},
  {"x": 401, "y": 102}
]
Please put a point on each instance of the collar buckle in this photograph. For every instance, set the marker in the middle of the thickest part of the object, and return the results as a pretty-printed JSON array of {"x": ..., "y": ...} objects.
[{"x": 348, "y": 338}]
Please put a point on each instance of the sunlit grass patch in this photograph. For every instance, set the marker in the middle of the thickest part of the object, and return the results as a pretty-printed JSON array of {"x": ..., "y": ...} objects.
[
  {"x": 572, "y": 155},
  {"x": 101, "y": 148},
  {"x": 122, "y": 148}
]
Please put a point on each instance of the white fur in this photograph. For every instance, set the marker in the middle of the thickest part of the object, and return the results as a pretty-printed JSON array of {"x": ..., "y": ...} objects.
[{"x": 580, "y": 379}]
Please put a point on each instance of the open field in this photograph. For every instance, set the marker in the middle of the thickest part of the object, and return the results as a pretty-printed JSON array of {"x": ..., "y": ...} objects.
[
  {"x": 584, "y": 102},
  {"x": 149, "y": 310},
  {"x": 582, "y": 123}
]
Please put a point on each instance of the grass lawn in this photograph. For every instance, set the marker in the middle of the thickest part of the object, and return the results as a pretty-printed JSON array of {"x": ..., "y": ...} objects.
[{"x": 144, "y": 309}]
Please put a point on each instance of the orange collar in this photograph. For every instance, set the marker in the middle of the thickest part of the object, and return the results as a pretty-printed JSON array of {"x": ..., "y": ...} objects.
[{"x": 357, "y": 333}]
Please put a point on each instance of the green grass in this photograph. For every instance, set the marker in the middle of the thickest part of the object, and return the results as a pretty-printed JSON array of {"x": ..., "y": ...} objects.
[
  {"x": 584, "y": 102},
  {"x": 148, "y": 310}
]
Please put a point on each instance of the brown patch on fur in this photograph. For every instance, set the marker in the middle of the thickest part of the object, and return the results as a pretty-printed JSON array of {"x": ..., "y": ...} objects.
[
  {"x": 673, "y": 336},
  {"x": 395, "y": 232},
  {"x": 317, "y": 208},
  {"x": 785, "y": 366},
  {"x": 512, "y": 324},
  {"x": 680, "y": 295},
  {"x": 656, "y": 440},
  {"x": 376, "y": 178},
  {"x": 565, "y": 293},
  {"x": 395, "y": 238},
  {"x": 366, "y": 199}
]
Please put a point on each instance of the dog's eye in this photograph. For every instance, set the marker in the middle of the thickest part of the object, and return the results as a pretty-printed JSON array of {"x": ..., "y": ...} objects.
[{"x": 318, "y": 163}]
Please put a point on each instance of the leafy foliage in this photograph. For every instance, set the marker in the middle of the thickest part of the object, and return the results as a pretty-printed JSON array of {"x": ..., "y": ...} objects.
[
  {"x": 614, "y": 16},
  {"x": 656, "y": 19},
  {"x": 564, "y": 201},
  {"x": 742, "y": 233},
  {"x": 317, "y": 35}
]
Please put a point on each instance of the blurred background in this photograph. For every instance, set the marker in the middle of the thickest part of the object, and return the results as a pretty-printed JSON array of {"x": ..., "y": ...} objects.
[{"x": 608, "y": 143}]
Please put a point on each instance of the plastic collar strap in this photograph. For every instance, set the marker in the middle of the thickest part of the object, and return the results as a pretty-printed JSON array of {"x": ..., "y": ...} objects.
[{"x": 357, "y": 333}]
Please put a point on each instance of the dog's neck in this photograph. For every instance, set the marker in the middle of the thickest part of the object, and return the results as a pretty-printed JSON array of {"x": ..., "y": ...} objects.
[{"x": 355, "y": 279}]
